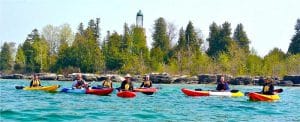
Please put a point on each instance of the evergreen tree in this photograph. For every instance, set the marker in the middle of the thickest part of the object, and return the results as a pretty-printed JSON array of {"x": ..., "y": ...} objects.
[
  {"x": 241, "y": 38},
  {"x": 181, "y": 41},
  {"x": 19, "y": 60},
  {"x": 6, "y": 57},
  {"x": 80, "y": 29},
  {"x": 213, "y": 39},
  {"x": 126, "y": 45},
  {"x": 192, "y": 40},
  {"x": 294, "y": 47},
  {"x": 140, "y": 43}
]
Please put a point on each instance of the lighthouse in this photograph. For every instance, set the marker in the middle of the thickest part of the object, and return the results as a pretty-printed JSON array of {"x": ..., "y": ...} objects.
[{"x": 139, "y": 19}]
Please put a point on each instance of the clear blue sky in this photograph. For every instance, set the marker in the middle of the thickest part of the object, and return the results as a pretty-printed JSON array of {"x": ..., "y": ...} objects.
[{"x": 268, "y": 23}]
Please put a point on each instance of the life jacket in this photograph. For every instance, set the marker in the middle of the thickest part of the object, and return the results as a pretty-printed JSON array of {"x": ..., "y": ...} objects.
[
  {"x": 147, "y": 83},
  {"x": 79, "y": 84},
  {"x": 36, "y": 83},
  {"x": 107, "y": 84},
  {"x": 266, "y": 88},
  {"x": 127, "y": 86}
]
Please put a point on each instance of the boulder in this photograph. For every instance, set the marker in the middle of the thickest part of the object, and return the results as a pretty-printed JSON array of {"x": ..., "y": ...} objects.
[
  {"x": 286, "y": 83},
  {"x": 294, "y": 78},
  {"x": 161, "y": 78}
]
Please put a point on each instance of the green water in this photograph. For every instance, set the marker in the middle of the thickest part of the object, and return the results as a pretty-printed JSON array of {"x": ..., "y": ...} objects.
[{"x": 168, "y": 104}]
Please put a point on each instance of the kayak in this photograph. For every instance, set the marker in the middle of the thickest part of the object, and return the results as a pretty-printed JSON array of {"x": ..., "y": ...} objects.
[
  {"x": 102, "y": 91},
  {"x": 261, "y": 97},
  {"x": 226, "y": 93},
  {"x": 148, "y": 91},
  {"x": 211, "y": 93},
  {"x": 44, "y": 88},
  {"x": 126, "y": 94},
  {"x": 71, "y": 90},
  {"x": 194, "y": 93}
]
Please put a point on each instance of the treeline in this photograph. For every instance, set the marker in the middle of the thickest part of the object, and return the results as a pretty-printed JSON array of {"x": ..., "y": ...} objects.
[{"x": 58, "y": 49}]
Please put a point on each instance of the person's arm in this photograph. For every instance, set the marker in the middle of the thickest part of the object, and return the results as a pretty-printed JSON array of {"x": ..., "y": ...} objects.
[
  {"x": 39, "y": 82},
  {"x": 122, "y": 87},
  {"x": 142, "y": 84},
  {"x": 131, "y": 86},
  {"x": 271, "y": 89},
  {"x": 227, "y": 86},
  {"x": 103, "y": 83},
  {"x": 111, "y": 85},
  {"x": 150, "y": 83},
  {"x": 74, "y": 83},
  {"x": 31, "y": 83},
  {"x": 219, "y": 87}
]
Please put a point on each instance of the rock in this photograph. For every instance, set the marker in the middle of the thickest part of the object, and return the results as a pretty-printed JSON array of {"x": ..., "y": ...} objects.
[
  {"x": 286, "y": 83},
  {"x": 207, "y": 78},
  {"x": 13, "y": 76},
  {"x": 294, "y": 78},
  {"x": 161, "y": 78},
  {"x": 241, "y": 81},
  {"x": 47, "y": 76}
]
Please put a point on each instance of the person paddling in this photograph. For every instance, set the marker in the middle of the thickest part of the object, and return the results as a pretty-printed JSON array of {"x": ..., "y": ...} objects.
[
  {"x": 222, "y": 85},
  {"x": 107, "y": 83},
  {"x": 35, "y": 82},
  {"x": 268, "y": 87},
  {"x": 146, "y": 83},
  {"x": 127, "y": 85},
  {"x": 79, "y": 83}
]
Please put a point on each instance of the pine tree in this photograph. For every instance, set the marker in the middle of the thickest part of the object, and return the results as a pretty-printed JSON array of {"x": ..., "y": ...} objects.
[
  {"x": 19, "y": 60},
  {"x": 294, "y": 47},
  {"x": 213, "y": 40},
  {"x": 192, "y": 40},
  {"x": 241, "y": 38},
  {"x": 6, "y": 57},
  {"x": 181, "y": 40}
]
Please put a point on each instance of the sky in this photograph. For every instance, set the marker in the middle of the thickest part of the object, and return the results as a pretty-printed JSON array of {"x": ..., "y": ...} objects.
[{"x": 268, "y": 23}]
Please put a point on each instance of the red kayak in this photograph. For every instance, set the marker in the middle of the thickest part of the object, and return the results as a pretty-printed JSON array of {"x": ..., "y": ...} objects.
[
  {"x": 126, "y": 94},
  {"x": 194, "y": 93},
  {"x": 148, "y": 91},
  {"x": 102, "y": 91}
]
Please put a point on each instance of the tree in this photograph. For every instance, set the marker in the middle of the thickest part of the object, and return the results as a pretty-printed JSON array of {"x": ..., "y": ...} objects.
[
  {"x": 19, "y": 60},
  {"x": 51, "y": 35},
  {"x": 241, "y": 38},
  {"x": 127, "y": 44},
  {"x": 181, "y": 45},
  {"x": 274, "y": 63},
  {"x": 160, "y": 46},
  {"x": 192, "y": 40},
  {"x": 41, "y": 49},
  {"x": 219, "y": 39},
  {"x": 6, "y": 57},
  {"x": 139, "y": 43},
  {"x": 294, "y": 47}
]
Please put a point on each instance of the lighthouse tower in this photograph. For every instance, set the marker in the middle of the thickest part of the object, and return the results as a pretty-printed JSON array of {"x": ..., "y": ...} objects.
[{"x": 139, "y": 19}]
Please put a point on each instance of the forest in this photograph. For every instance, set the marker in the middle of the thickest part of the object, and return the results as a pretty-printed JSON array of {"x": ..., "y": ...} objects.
[{"x": 59, "y": 49}]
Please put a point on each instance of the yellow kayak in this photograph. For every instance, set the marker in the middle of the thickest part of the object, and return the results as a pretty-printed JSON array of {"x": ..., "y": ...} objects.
[{"x": 44, "y": 88}]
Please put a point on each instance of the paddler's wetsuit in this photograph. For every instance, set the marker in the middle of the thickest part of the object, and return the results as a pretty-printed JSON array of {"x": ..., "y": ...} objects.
[
  {"x": 107, "y": 84},
  {"x": 268, "y": 89},
  {"x": 222, "y": 86},
  {"x": 35, "y": 83},
  {"x": 146, "y": 84},
  {"x": 126, "y": 86}
]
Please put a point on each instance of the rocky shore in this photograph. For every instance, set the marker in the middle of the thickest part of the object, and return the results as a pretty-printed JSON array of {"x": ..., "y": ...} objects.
[{"x": 164, "y": 78}]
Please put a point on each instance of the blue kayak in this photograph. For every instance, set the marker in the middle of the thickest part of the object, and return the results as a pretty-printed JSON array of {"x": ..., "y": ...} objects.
[{"x": 71, "y": 90}]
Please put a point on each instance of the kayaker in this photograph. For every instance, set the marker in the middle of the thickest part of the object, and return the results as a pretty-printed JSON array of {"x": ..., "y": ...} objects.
[
  {"x": 268, "y": 87},
  {"x": 107, "y": 83},
  {"x": 127, "y": 85},
  {"x": 222, "y": 85},
  {"x": 146, "y": 83},
  {"x": 35, "y": 82},
  {"x": 79, "y": 82}
]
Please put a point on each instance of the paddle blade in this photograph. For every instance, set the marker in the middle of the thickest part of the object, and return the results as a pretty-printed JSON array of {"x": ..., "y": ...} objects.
[
  {"x": 198, "y": 89},
  {"x": 234, "y": 91},
  {"x": 19, "y": 87},
  {"x": 278, "y": 90}
]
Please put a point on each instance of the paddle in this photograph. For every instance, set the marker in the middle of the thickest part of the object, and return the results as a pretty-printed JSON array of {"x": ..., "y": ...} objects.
[
  {"x": 19, "y": 87},
  {"x": 233, "y": 91},
  {"x": 276, "y": 90}
]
